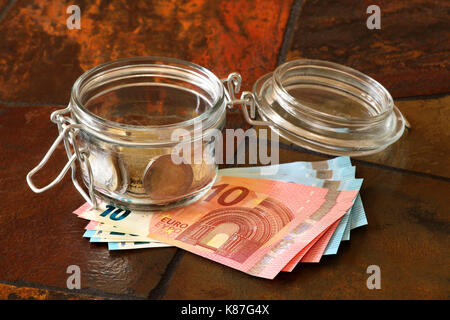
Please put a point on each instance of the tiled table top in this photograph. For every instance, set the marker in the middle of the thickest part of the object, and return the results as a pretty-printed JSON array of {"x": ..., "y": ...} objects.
[{"x": 405, "y": 191}]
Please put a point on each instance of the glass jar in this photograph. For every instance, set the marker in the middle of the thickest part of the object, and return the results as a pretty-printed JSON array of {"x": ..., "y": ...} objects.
[
  {"x": 328, "y": 108},
  {"x": 124, "y": 118},
  {"x": 129, "y": 123}
]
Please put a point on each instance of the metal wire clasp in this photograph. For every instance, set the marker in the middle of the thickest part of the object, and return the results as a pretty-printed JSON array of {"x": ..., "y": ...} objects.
[
  {"x": 233, "y": 83},
  {"x": 67, "y": 133}
]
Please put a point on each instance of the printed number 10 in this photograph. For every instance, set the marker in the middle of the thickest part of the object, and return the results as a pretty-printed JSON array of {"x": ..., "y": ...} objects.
[
  {"x": 224, "y": 197},
  {"x": 116, "y": 216}
]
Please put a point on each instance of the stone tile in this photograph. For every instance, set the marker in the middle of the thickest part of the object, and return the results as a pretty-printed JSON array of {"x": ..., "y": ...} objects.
[
  {"x": 40, "y": 58},
  {"x": 41, "y": 235},
  {"x": 3, "y": 4},
  {"x": 408, "y": 55},
  {"x": 11, "y": 292},
  {"x": 426, "y": 146}
]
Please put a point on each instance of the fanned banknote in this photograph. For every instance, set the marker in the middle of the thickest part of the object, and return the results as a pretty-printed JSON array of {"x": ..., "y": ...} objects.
[
  {"x": 136, "y": 245},
  {"x": 305, "y": 177},
  {"x": 299, "y": 175},
  {"x": 295, "y": 172},
  {"x": 106, "y": 236},
  {"x": 253, "y": 225},
  {"x": 341, "y": 166},
  {"x": 333, "y": 174}
]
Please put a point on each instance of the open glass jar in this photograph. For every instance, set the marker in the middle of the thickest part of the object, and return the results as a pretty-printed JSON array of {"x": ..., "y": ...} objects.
[{"x": 129, "y": 120}]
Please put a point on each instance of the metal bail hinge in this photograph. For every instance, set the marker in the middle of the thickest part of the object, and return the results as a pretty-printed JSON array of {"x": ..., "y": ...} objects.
[
  {"x": 233, "y": 83},
  {"x": 248, "y": 100}
]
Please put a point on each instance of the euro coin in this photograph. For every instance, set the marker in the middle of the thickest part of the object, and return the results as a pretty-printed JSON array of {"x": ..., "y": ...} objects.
[{"x": 165, "y": 180}]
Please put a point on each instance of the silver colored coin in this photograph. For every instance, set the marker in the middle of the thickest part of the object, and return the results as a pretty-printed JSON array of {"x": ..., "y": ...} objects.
[{"x": 105, "y": 170}]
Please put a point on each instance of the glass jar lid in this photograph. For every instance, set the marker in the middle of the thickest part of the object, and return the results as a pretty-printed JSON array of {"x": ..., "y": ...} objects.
[{"x": 328, "y": 108}]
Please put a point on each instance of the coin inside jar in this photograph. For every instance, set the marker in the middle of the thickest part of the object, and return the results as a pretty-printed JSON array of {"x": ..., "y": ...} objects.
[
  {"x": 204, "y": 170},
  {"x": 165, "y": 180},
  {"x": 104, "y": 170},
  {"x": 136, "y": 162},
  {"x": 107, "y": 171}
]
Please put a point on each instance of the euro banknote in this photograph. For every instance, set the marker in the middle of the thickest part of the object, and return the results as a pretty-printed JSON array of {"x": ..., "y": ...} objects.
[
  {"x": 294, "y": 172},
  {"x": 136, "y": 245},
  {"x": 253, "y": 225},
  {"x": 340, "y": 231},
  {"x": 301, "y": 176},
  {"x": 103, "y": 232},
  {"x": 106, "y": 236},
  {"x": 306, "y": 177},
  {"x": 330, "y": 239},
  {"x": 335, "y": 163}
]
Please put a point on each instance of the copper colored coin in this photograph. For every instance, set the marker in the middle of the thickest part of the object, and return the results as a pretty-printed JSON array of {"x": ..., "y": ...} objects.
[
  {"x": 136, "y": 161},
  {"x": 165, "y": 180}
]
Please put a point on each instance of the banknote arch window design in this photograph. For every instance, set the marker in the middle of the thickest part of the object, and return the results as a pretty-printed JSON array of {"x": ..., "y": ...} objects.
[
  {"x": 237, "y": 232},
  {"x": 147, "y": 132}
]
